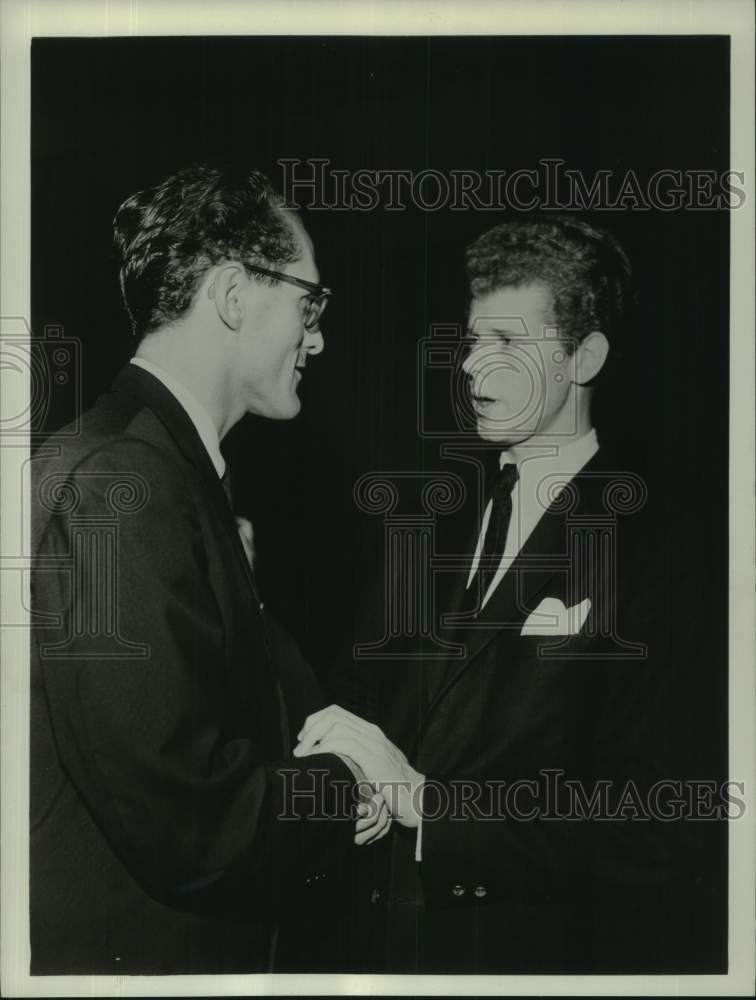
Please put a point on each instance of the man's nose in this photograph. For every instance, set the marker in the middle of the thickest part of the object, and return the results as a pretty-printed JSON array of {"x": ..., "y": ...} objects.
[
  {"x": 313, "y": 341},
  {"x": 477, "y": 358}
]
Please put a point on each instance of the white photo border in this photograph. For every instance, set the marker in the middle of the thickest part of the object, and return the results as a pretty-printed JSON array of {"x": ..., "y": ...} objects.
[{"x": 20, "y": 21}]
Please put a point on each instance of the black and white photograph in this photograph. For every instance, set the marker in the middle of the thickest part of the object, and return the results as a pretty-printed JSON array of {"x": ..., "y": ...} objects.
[{"x": 378, "y": 499}]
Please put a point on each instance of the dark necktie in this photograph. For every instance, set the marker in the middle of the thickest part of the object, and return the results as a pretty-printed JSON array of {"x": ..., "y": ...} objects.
[
  {"x": 226, "y": 484},
  {"x": 490, "y": 557},
  {"x": 282, "y": 711},
  {"x": 243, "y": 526},
  {"x": 496, "y": 535}
]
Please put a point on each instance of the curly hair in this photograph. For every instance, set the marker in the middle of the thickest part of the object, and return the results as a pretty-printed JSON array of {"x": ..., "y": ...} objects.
[
  {"x": 168, "y": 235},
  {"x": 585, "y": 268}
]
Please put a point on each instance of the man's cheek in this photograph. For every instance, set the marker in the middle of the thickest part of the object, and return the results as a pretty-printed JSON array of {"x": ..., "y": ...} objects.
[{"x": 519, "y": 394}]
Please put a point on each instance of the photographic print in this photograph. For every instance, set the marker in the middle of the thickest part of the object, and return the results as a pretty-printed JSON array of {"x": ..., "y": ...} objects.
[{"x": 378, "y": 484}]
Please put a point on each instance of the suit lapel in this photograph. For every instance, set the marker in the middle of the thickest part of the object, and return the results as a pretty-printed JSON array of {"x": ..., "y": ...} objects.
[
  {"x": 173, "y": 416},
  {"x": 145, "y": 389},
  {"x": 542, "y": 562}
]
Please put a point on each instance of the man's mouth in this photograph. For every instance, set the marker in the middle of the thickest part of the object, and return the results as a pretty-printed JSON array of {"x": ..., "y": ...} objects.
[{"x": 482, "y": 401}]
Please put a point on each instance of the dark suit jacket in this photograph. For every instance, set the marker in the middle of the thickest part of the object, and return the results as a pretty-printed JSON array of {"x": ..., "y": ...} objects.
[
  {"x": 639, "y": 695},
  {"x": 164, "y": 700}
]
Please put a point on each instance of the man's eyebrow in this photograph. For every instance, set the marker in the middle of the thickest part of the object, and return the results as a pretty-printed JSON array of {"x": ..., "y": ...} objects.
[{"x": 478, "y": 329}]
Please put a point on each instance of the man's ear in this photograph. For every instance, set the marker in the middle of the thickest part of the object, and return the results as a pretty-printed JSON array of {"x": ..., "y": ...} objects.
[
  {"x": 592, "y": 352},
  {"x": 224, "y": 290}
]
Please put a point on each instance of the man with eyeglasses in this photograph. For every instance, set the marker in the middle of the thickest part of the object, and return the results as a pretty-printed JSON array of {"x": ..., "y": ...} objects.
[{"x": 169, "y": 821}]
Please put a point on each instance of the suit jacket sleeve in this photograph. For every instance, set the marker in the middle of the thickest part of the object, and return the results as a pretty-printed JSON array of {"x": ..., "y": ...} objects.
[{"x": 144, "y": 738}]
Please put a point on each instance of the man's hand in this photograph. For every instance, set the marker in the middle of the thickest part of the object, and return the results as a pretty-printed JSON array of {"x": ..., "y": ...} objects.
[
  {"x": 375, "y": 819},
  {"x": 334, "y": 730}
]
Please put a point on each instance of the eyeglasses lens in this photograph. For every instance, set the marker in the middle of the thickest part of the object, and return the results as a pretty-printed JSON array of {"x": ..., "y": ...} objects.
[{"x": 313, "y": 311}]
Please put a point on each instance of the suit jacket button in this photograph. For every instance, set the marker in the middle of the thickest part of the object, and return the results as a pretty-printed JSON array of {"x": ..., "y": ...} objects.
[
  {"x": 480, "y": 892},
  {"x": 458, "y": 890},
  {"x": 375, "y": 896}
]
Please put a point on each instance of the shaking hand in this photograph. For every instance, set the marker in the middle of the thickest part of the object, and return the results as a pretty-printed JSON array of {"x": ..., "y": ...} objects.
[{"x": 335, "y": 730}]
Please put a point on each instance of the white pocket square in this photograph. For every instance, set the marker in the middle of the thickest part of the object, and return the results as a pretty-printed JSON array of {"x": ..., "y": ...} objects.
[{"x": 551, "y": 617}]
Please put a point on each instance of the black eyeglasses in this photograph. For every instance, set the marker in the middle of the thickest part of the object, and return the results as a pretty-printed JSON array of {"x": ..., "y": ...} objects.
[{"x": 315, "y": 302}]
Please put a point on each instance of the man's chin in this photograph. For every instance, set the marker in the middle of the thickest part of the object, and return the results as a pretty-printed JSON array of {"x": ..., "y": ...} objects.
[
  {"x": 292, "y": 410},
  {"x": 499, "y": 432},
  {"x": 283, "y": 411}
]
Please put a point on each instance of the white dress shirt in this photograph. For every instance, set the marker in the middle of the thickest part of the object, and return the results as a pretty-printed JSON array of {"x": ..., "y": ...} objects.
[
  {"x": 544, "y": 471},
  {"x": 194, "y": 410}
]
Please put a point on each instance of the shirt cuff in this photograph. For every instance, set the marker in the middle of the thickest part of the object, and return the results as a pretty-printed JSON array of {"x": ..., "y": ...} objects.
[{"x": 419, "y": 838}]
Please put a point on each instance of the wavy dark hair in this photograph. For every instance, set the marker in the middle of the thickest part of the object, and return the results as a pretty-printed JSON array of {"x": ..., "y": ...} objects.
[
  {"x": 168, "y": 235},
  {"x": 585, "y": 268}
]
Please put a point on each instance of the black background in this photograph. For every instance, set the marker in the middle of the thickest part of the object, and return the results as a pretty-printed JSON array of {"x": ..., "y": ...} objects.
[{"x": 112, "y": 116}]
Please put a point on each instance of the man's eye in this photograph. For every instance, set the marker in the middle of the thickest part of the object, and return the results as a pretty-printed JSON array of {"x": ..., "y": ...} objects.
[{"x": 489, "y": 340}]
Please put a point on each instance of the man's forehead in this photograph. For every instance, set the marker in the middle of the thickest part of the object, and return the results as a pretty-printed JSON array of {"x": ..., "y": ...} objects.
[
  {"x": 512, "y": 302},
  {"x": 305, "y": 267}
]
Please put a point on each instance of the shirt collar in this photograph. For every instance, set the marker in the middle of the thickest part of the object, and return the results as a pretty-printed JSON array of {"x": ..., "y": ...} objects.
[
  {"x": 562, "y": 458},
  {"x": 196, "y": 412}
]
